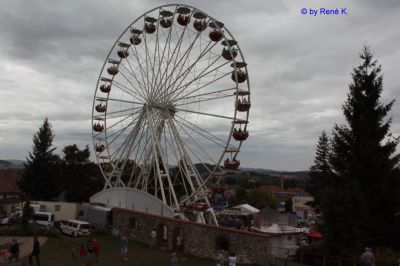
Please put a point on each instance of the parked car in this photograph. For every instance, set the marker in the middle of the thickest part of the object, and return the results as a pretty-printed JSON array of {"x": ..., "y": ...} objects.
[
  {"x": 75, "y": 228},
  {"x": 58, "y": 224},
  {"x": 44, "y": 218}
]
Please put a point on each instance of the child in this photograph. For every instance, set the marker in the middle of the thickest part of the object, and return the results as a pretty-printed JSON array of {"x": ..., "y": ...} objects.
[{"x": 82, "y": 255}]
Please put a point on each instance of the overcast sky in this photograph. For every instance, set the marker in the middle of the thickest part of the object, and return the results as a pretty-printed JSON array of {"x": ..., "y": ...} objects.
[{"x": 51, "y": 53}]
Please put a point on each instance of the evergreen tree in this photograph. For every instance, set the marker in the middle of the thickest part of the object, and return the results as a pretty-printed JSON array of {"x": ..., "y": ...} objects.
[
  {"x": 363, "y": 196},
  {"x": 39, "y": 180},
  {"x": 320, "y": 172},
  {"x": 80, "y": 177},
  {"x": 27, "y": 213}
]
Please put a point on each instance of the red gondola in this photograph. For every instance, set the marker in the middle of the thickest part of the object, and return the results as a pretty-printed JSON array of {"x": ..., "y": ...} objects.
[
  {"x": 100, "y": 148},
  {"x": 150, "y": 28},
  {"x": 199, "y": 25},
  {"x": 183, "y": 20},
  {"x": 240, "y": 135},
  {"x": 241, "y": 76},
  {"x": 227, "y": 55},
  {"x": 105, "y": 88},
  {"x": 98, "y": 127},
  {"x": 166, "y": 22},
  {"x": 243, "y": 106},
  {"x": 101, "y": 108},
  {"x": 123, "y": 53},
  {"x": 135, "y": 40},
  {"x": 231, "y": 164},
  {"x": 215, "y": 35},
  {"x": 112, "y": 70}
]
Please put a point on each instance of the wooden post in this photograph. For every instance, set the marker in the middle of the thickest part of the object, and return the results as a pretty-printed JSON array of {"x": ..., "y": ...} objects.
[
  {"x": 324, "y": 260},
  {"x": 340, "y": 262},
  {"x": 301, "y": 256}
]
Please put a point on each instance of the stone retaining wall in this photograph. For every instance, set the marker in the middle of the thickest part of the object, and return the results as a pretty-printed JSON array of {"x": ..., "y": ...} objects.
[{"x": 198, "y": 239}]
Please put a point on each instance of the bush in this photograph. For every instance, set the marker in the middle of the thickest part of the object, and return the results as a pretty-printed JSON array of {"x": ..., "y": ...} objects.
[{"x": 31, "y": 230}]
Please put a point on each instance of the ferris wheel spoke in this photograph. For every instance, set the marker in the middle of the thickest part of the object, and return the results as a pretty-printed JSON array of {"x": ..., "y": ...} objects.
[
  {"x": 182, "y": 76},
  {"x": 129, "y": 139},
  {"x": 202, "y": 132},
  {"x": 206, "y": 114},
  {"x": 170, "y": 58},
  {"x": 148, "y": 64},
  {"x": 206, "y": 94},
  {"x": 200, "y": 147},
  {"x": 161, "y": 59},
  {"x": 200, "y": 100},
  {"x": 181, "y": 88},
  {"x": 133, "y": 74},
  {"x": 118, "y": 100},
  {"x": 132, "y": 85},
  {"x": 122, "y": 111},
  {"x": 184, "y": 57},
  {"x": 142, "y": 70}
]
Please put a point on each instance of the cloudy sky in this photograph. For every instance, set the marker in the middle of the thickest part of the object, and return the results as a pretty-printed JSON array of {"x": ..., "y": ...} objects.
[{"x": 51, "y": 53}]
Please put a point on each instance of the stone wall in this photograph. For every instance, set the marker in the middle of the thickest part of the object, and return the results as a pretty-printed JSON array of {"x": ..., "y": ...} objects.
[{"x": 198, "y": 239}]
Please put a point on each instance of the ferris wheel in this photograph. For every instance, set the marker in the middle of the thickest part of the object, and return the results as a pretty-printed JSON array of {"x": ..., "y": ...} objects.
[{"x": 171, "y": 106}]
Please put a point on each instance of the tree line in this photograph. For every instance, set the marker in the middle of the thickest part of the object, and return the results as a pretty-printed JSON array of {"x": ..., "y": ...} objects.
[{"x": 48, "y": 176}]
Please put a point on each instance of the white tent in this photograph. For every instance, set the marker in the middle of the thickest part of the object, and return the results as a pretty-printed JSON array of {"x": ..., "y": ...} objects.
[{"x": 246, "y": 209}]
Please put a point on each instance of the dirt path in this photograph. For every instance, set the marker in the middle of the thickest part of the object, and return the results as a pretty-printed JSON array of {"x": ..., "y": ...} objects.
[{"x": 25, "y": 243}]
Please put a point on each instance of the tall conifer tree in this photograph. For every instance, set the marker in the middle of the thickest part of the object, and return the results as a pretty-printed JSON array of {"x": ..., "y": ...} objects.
[
  {"x": 39, "y": 180},
  {"x": 361, "y": 203}
]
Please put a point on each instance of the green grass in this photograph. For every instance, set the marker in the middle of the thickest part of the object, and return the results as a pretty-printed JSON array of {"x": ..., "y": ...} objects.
[{"x": 57, "y": 252}]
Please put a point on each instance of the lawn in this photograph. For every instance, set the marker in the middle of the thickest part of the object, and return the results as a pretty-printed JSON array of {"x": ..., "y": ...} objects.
[{"x": 57, "y": 252}]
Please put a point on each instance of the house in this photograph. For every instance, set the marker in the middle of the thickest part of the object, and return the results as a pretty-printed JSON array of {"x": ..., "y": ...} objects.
[
  {"x": 61, "y": 210},
  {"x": 301, "y": 208},
  {"x": 10, "y": 194},
  {"x": 269, "y": 216}
]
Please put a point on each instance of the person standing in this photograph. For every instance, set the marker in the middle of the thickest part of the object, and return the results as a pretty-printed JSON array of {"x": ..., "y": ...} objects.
[
  {"x": 221, "y": 259},
  {"x": 96, "y": 251},
  {"x": 367, "y": 258},
  {"x": 35, "y": 251},
  {"x": 153, "y": 236},
  {"x": 232, "y": 259},
  {"x": 90, "y": 251},
  {"x": 83, "y": 254},
  {"x": 124, "y": 247},
  {"x": 174, "y": 259},
  {"x": 14, "y": 251},
  {"x": 179, "y": 244}
]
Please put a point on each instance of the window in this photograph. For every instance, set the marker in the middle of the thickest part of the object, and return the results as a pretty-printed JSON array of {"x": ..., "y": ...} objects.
[
  {"x": 132, "y": 223},
  {"x": 57, "y": 208}
]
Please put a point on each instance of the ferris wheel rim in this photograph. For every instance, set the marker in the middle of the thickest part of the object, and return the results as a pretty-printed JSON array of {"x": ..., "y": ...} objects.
[{"x": 108, "y": 95}]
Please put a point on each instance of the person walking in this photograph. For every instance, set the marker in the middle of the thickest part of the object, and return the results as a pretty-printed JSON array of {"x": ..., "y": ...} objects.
[
  {"x": 153, "y": 236},
  {"x": 35, "y": 252},
  {"x": 368, "y": 257},
  {"x": 96, "y": 251},
  {"x": 124, "y": 247},
  {"x": 232, "y": 259},
  {"x": 14, "y": 251}
]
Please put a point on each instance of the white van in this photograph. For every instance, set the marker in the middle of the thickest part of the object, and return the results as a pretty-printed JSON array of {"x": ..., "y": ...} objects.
[
  {"x": 44, "y": 218},
  {"x": 75, "y": 228}
]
